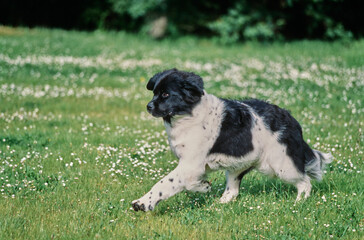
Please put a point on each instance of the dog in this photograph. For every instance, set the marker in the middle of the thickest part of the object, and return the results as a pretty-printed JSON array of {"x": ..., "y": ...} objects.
[{"x": 207, "y": 133}]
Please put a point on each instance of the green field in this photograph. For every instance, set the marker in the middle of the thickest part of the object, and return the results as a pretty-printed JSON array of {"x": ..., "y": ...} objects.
[{"x": 77, "y": 145}]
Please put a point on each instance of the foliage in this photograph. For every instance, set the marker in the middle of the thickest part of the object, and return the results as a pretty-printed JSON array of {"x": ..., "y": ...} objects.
[
  {"x": 135, "y": 8},
  {"x": 230, "y": 21},
  {"x": 262, "y": 20},
  {"x": 239, "y": 24}
]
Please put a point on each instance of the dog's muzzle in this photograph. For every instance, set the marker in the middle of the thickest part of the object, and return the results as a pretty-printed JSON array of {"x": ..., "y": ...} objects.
[
  {"x": 155, "y": 111},
  {"x": 150, "y": 107},
  {"x": 152, "y": 110}
]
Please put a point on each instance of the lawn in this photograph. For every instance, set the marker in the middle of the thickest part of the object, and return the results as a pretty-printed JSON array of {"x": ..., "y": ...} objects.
[{"x": 77, "y": 145}]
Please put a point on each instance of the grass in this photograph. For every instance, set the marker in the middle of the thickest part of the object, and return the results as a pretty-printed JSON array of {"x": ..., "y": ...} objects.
[{"x": 77, "y": 146}]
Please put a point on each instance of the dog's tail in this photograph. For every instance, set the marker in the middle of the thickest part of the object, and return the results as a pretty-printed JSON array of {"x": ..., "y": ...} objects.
[{"x": 315, "y": 167}]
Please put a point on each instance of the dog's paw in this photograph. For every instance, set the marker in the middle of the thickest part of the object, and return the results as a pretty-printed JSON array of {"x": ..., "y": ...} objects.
[
  {"x": 202, "y": 187},
  {"x": 138, "y": 205},
  {"x": 227, "y": 197},
  {"x": 205, "y": 187}
]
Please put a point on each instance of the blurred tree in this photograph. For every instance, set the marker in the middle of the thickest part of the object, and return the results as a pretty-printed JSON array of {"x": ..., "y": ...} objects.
[{"x": 228, "y": 21}]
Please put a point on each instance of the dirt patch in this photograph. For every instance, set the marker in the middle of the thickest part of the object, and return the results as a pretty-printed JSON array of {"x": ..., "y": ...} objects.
[{"x": 10, "y": 31}]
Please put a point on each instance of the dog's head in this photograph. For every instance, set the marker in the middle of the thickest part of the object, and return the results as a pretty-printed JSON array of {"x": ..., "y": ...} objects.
[{"x": 175, "y": 93}]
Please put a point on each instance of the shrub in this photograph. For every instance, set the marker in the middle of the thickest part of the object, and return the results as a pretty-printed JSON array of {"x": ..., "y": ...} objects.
[{"x": 229, "y": 21}]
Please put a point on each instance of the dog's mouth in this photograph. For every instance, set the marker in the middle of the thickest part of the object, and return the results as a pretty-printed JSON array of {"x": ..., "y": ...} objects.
[{"x": 161, "y": 114}]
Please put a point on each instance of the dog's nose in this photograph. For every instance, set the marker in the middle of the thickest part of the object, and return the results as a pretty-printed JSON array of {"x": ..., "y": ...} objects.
[{"x": 150, "y": 106}]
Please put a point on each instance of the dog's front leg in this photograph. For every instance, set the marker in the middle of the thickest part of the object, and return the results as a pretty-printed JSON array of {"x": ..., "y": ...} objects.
[{"x": 179, "y": 179}]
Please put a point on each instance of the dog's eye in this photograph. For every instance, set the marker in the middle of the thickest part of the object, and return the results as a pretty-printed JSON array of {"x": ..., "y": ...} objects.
[{"x": 165, "y": 95}]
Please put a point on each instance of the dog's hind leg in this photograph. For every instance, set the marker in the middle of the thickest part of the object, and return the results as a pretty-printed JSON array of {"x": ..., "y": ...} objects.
[
  {"x": 233, "y": 180},
  {"x": 303, "y": 186}
]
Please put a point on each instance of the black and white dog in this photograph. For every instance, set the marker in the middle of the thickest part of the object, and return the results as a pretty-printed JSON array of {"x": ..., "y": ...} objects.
[{"x": 207, "y": 133}]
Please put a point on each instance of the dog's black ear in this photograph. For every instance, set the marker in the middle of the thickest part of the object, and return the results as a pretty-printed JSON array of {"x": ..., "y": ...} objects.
[
  {"x": 193, "y": 88},
  {"x": 153, "y": 82}
]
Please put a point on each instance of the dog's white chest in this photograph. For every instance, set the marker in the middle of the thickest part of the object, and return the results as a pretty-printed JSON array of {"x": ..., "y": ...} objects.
[
  {"x": 182, "y": 139},
  {"x": 193, "y": 136}
]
